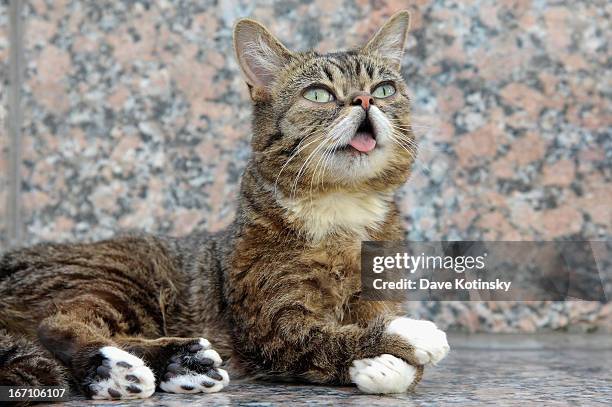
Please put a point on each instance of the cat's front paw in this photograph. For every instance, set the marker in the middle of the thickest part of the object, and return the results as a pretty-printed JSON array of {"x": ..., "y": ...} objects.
[
  {"x": 384, "y": 374},
  {"x": 429, "y": 342},
  {"x": 194, "y": 369},
  {"x": 118, "y": 374}
]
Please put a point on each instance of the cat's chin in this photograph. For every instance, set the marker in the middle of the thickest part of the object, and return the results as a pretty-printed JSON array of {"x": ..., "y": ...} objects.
[{"x": 350, "y": 164}]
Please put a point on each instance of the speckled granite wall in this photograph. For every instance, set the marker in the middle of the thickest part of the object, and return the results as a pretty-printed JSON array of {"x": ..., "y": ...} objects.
[
  {"x": 136, "y": 118},
  {"x": 4, "y": 138}
]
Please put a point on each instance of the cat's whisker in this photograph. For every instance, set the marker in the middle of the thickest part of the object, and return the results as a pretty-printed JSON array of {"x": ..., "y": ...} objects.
[
  {"x": 314, "y": 175},
  {"x": 312, "y": 154},
  {"x": 410, "y": 153},
  {"x": 412, "y": 126},
  {"x": 333, "y": 150},
  {"x": 317, "y": 176},
  {"x": 301, "y": 171},
  {"x": 330, "y": 154},
  {"x": 407, "y": 142},
  {"x": 420, "y": 145},
  {"x": 335, "y": 125},
  {"x": 418, "y": 163},
  {"x": 299, "y": 149}
]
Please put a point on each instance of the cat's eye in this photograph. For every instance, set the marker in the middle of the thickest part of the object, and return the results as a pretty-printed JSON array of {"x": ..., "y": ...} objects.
[
  {"x": 383, "y": 91},
  {"x": 318, "y": 95}
]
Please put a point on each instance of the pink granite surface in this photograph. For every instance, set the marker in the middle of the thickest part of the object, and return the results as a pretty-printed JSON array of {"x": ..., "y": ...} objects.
[
  {"x": 4, "y": 137},
  {"x": 136, "y": 118}
]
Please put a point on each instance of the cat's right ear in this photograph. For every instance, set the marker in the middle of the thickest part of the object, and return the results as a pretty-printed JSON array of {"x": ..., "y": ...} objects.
[{"x": 259, "y": 54}]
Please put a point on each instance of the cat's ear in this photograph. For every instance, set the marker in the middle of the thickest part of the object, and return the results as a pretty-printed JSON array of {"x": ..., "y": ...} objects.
[
  {"x": 259, "y": 54},
  {"x": 390, "y": 41}
]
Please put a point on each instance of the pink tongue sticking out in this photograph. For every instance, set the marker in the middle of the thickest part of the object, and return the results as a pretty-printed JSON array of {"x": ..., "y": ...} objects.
[{"x": 363, "y": 141}]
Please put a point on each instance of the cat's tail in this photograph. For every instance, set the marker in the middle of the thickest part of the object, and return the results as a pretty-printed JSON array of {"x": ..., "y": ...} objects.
[{"x": 25, "y": 363}]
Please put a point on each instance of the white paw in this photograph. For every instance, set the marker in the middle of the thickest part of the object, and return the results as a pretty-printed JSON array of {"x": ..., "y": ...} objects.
[
  {"x": 430, "y": 345},
  {"x": 121, "y": 375},
  {"x": 384, "y": 374},
  {"x": 195, "y": 383},
  {"x": 196, "y": 370}
]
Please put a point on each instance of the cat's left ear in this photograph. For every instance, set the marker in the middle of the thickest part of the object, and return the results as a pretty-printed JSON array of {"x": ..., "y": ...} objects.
[
  {"x": 259, "y": 54},
  {"x": 390, "y": 41}
]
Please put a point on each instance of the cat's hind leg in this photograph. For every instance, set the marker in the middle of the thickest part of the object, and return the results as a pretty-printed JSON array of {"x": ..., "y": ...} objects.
[
  {"x": 80, "y": 336},
  {"x": 26, "y": 363}
]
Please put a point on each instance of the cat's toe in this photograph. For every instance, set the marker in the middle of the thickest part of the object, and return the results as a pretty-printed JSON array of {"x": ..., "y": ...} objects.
[
  {"x": 195, "y": 369},
  {"x": 384, "y": 374},
  {"x": 119, "y": 375}
]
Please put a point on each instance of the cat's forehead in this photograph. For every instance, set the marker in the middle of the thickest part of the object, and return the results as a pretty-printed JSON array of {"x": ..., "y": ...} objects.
[{"x": 345, "y": 71}]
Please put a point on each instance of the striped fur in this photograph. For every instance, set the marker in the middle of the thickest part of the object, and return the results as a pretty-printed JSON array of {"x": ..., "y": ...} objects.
[{"x": 277, "y": 293}]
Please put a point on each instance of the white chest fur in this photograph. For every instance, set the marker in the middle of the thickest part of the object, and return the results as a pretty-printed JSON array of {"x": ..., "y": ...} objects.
[{"x": 339, "y": 212}]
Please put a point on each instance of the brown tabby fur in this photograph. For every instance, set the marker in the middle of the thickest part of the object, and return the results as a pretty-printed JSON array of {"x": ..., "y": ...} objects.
[{"x": 274, "y": 295}]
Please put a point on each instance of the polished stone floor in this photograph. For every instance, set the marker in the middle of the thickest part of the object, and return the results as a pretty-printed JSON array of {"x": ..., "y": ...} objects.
[{"x": 502, "y": 370}]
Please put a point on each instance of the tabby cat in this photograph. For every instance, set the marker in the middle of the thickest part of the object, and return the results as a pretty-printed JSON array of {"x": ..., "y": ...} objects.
[{"x": 277, "y": 293}]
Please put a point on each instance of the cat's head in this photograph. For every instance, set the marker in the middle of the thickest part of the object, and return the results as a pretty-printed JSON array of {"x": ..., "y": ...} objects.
[{"x": 328, "y": 121}]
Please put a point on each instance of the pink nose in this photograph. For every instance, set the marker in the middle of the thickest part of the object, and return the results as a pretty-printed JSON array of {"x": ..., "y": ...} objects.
[{"x": 364, "y": 100}]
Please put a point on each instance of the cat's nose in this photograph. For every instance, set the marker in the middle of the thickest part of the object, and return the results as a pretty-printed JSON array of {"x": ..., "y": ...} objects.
[{"x": 365, "y": 100}]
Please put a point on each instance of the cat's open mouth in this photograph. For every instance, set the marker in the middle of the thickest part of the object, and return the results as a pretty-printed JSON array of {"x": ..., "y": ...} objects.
[{"x": 364, "y": 140}]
